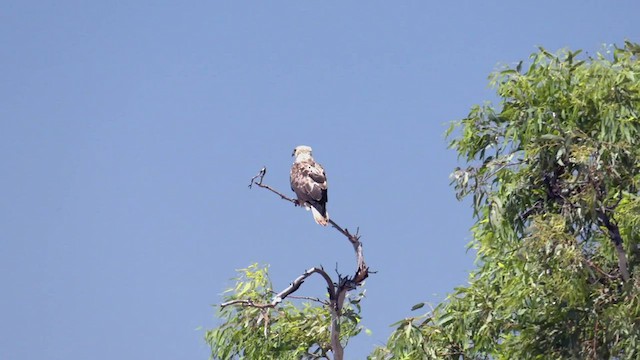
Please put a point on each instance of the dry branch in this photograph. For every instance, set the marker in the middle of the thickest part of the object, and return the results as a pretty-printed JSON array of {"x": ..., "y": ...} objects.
[
  {"x": 337, "y": 290},
  {"x": 293, "y": 286},
  {"x": 257, "y": 180},
  {"x": 362, "y": 271}
]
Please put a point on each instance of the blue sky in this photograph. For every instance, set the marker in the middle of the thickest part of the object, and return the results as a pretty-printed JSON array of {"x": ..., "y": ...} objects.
[{"x": 130, "y": 130}]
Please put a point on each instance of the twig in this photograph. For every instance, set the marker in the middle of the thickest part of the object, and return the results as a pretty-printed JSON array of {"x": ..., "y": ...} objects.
[
  {"x": 310, "y": 298},
  {"x": 595, "y": 267},
  {"x": 353, "y": 238},
  {"x": 246, "y": 302},
  {"x": 260, "y": 177}
]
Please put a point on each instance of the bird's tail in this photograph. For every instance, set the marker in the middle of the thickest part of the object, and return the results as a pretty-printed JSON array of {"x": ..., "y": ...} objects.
[{"x": 322, "y": 220}]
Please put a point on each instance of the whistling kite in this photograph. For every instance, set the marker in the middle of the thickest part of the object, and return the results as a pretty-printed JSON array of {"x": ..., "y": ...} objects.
[{"x": 309, "y": 183}]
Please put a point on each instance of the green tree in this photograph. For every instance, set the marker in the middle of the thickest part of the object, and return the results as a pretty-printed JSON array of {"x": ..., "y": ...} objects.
[
  {"x": 553, "y": 172},
  {"x": 257, "y": 330}
]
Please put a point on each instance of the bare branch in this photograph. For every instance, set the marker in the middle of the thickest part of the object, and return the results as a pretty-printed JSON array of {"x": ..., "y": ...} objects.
[
  {"x": 310, "y": 298},
  {"x": 337, "y": 291},
  {"x": 363, "y": 271},
  {"x": 595, "y": 267},
  {"x": 295, "y": 285},
  {"x": 245, "y": 302},
  {"x": 260, "y": 177},
  {"x": 354, "y": 239}
]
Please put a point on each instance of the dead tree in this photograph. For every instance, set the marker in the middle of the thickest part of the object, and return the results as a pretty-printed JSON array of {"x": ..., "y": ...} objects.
[{"x": 337, "y": 289}]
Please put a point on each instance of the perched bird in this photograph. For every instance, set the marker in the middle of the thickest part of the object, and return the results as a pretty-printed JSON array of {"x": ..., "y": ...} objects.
[{"x": 309, "y": 183}]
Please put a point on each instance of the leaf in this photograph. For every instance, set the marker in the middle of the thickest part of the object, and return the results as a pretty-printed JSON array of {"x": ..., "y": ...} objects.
[
  {"x": 417, "y": 306},
  {"x": 444, "y": 320}
]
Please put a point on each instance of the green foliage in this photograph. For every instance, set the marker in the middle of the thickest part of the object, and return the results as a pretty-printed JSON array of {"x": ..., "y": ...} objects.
[
  {"x": 287, "y": 331},
  {"x": 553, "y": 173}
]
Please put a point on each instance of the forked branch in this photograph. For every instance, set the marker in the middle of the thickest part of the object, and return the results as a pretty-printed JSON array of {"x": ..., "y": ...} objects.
[
  {"x": 257, "y": 180},
  {"x": 337, "y": 290}
]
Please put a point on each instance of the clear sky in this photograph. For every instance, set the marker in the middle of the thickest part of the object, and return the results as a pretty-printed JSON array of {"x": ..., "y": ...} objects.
[{"x": 129, "y": 132}]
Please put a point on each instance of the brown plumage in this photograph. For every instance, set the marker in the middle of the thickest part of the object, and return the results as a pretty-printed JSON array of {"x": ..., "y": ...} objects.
[{"x": 309, "y": 183}]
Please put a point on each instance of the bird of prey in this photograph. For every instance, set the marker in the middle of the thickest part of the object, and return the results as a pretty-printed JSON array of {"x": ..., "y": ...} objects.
[{"x": 309, "y": 183}]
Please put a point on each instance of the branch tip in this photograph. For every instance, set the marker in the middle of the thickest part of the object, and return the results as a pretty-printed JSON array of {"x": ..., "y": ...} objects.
[{"x": 260, "y": 175}]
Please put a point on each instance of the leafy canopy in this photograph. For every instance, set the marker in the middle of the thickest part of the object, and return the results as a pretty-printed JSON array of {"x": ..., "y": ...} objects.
[{"x": 553, "y": 172}]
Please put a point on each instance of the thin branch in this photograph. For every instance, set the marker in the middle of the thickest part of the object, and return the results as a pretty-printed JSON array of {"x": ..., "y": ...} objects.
[
  {"x": 257, "y": 180},
  {"x": 536, "y": 207},
  {"x": 354, "y": 239},
  {"x": 508, "y": 164},
  {"x": 613, "y": 207},
  {"x": 310, "y": 298},
  {"x": 295, "y": 285},
  {"x": 259, "y": 177},
  {"x": 598, "y": 269},
  {"x": 363, "y": 271},
  {"x": 246, "y": 302}
]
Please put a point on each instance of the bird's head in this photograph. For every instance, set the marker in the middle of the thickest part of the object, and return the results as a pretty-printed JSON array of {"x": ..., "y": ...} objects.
[
  {"x": 301, "y": 153},
  {"x": 301, "y": 149}
]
